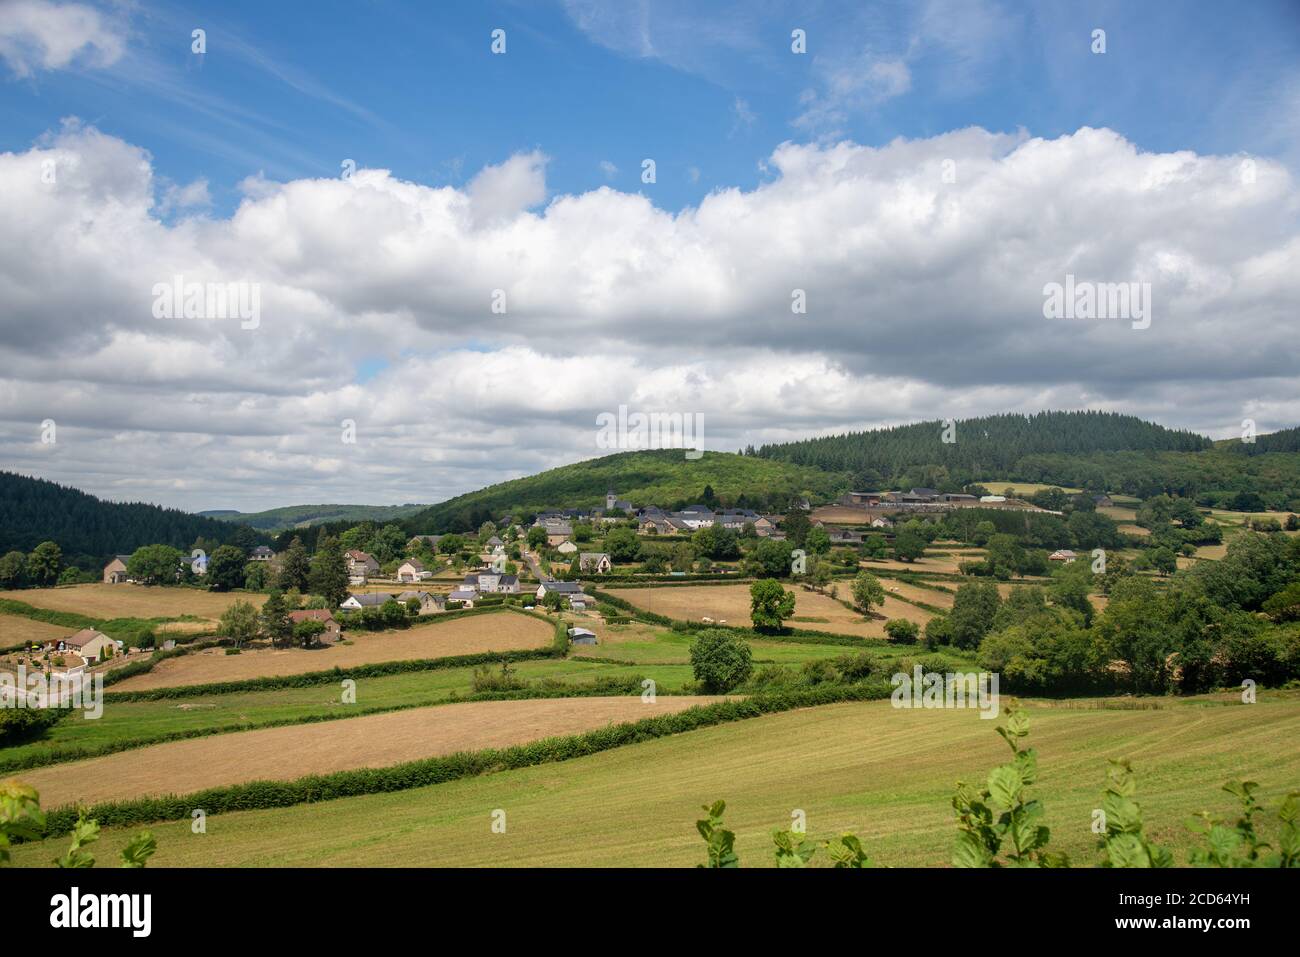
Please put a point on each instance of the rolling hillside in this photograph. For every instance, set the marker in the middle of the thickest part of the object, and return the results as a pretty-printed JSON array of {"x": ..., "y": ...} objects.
[
  {"x": 991, "y": 444},
  {"x": 305, "y": 516},
  {"x": 87, "y": 529},
  {"x": 661, "y": 477},
  {"x": 1098, "y": 451}
]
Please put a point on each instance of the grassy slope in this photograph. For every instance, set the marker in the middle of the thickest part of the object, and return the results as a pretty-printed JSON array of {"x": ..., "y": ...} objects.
[
  {"x": 663, "y": 478},
  {"x": 884, "y": 773}
]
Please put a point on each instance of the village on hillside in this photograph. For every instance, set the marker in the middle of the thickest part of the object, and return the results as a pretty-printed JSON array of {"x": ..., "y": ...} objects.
[{"x": 551, "y": 559}]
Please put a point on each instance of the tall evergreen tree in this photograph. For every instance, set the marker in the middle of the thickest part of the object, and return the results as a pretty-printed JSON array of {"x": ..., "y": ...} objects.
[
  {"x": 295, "y": 567},
  {"x": 329, "y": 571},
  {"x": 275, "y": 621}
]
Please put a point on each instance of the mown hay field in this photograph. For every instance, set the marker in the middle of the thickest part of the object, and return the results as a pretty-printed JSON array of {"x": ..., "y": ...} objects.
[
  {"x": 641, "y": 644},
  {"x": 731, "y": 604},
  {"x": 883, "y": 773},
  {"x": 940, "y": 564},
  {"x": 373, "y": 741},
  {"x": 132, "y": 601},
  {"x": 139, "y": 723},
  {"x": 501, "y": 631},
  {"x": 15, "y": 629}
]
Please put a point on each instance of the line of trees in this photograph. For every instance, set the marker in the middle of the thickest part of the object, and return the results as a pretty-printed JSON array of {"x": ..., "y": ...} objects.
[{"x": 1213, "y": 625}]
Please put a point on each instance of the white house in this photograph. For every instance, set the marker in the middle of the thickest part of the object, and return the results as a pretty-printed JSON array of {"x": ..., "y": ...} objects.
[
  {"x": 92, "y": 645},
  {"x": 361, "y": 600},
  {"x": 566, "y": 548},
  {"x": 412, "y": 570},
  {"x": 467, "y": 596},
  {"x": 595, "y": 563}
]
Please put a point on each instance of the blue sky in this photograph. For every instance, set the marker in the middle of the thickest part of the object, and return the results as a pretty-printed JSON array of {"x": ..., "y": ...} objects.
[
  {"x": 290, "y": 89},
  {"x": 1170, "y": 161}
]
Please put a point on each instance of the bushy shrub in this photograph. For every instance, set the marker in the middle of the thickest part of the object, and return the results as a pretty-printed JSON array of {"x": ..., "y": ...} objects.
[
  {"x": 720, "y": 660},
  {"x": 487, "y": 678},
  {"x": 21, "y": 724},
  {"x": 818, "y": 671},
  {"x": 938, "y": 632},
  {"x": 902, "y": 631},
  {"x": 857, "y": 667}
]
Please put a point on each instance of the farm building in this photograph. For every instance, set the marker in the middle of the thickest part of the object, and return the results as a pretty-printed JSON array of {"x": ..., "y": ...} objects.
[
  {"x": 332, "y": 628},
  {"x": 115, "y": 571},
  {"x": 261, "y": 554},
  {"x": 582, "y": 636},
  {"x": 860, "y": 498},
  {"x": 1062, "y": 555}
]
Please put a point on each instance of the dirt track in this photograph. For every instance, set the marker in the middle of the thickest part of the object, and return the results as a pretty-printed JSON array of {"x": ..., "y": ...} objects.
[{"x": 181, "y": 767}]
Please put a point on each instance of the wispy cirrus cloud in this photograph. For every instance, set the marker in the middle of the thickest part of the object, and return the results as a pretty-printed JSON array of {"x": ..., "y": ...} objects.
[{"x": 38, "y": 35}]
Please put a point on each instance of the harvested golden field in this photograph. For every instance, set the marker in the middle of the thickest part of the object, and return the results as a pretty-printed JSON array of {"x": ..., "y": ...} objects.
[
  {"x": 1212, "y": 551},
  {"x": 945, "y": 564},
  {"x": 132, "y": 601},
  {"x": 374, "y": 741},
  {"x": 502, "y": 631},
  {"x": 1025, "y": 488},
  {"x": 174, "y": 629},
  {"x": 842, "y": 515},
  {"x": 940, "y": 599},
  {"x": 730, "y": 604},
  {"x": 1118, "y": 513},
  {"x": 1135, "y": 530},
  {"x": 15, "y": 628}
]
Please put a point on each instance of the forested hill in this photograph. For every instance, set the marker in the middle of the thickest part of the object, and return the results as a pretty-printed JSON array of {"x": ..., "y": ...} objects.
[
  {"x": 661, "y": 477},
  {"x": 1286, "y": 440},
  {"x": 33, "y": 511},
  {"x": 305, "y": 516},
  {"x": 986, "y": 447}
]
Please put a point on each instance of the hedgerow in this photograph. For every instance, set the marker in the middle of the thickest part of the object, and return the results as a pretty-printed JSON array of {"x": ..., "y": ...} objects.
[
  {"x": 307, "y": 679},
  {"x": 544, "y": 689},
  {"x": 415, "y": 774}
]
